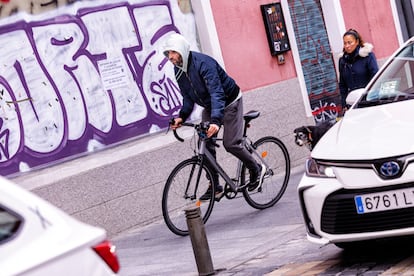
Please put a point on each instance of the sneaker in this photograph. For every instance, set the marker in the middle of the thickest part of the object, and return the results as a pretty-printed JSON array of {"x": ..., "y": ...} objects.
[
  {"x": 218, "y": 194},
  {"x": 256, "y": 178}
]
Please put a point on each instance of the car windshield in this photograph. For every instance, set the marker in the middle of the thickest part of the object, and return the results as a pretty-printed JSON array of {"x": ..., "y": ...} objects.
[{"x": 396, "y": 82}]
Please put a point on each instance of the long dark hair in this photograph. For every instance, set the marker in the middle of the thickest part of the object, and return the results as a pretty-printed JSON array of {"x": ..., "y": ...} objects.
[{"x": 356, "y": 35}]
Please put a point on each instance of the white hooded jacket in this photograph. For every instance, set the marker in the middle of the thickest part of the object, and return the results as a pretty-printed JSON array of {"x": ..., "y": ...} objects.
[{"x": 179, "y": 44}]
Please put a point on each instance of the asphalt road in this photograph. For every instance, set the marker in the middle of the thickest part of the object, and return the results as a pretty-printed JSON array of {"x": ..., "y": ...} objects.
[{"x": 245, "y": 241}]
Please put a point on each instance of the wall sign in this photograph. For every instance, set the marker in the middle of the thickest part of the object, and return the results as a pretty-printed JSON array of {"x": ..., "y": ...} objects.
[{"x": 275, "y": 28}]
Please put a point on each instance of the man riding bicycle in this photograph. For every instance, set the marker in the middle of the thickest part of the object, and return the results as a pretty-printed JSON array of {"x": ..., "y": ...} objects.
[{"x": 204, "y": 82}]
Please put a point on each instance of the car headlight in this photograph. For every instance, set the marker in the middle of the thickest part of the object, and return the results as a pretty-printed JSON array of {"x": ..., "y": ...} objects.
[{"x": 315, "y": 169}]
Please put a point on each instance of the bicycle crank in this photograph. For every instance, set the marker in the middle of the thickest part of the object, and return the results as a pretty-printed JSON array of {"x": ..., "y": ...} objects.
[{"x": 228, "y": 192}]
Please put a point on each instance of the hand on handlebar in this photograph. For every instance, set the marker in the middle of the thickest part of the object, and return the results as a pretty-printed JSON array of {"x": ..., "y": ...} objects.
[
  {"x": 213, "y": 129},
  {"x": 176, "y": 123}
]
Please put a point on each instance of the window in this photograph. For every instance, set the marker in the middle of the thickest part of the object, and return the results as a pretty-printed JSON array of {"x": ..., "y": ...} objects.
[{"x": 10, "y": 223}]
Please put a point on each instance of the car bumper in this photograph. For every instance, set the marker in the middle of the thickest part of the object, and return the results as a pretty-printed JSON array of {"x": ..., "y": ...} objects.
[{"x": 330, "y": 213}]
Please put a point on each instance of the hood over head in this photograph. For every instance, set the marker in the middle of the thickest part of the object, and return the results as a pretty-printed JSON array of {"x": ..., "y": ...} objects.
[{"x": 179, "y": 44}]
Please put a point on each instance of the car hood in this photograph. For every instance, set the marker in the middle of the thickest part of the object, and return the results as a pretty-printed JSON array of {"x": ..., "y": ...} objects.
[{"x": 370, "y": 133}]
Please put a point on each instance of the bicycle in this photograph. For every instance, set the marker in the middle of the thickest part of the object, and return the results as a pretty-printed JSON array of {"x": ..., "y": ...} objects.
[{"x": 192, "y": 177}]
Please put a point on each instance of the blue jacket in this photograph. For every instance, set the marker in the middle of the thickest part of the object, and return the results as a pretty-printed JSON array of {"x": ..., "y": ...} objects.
[
  {"x": 356, "y": 69},
  {"x": 207, "y": 84}
]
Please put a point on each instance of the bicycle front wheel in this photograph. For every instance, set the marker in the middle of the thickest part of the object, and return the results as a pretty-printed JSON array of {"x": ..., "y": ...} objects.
[
  {"x": 276, "y": 158},
  {"x": 186, "y": 184}
]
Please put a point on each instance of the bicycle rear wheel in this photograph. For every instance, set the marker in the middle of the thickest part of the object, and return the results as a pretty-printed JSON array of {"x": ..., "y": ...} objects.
[
  {"x": 186, "y": 184},
  {"x": 276, "y": 179}
]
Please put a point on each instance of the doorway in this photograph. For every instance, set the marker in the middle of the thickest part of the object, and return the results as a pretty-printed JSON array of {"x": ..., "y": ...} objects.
[{"x": 316, "y": 59}]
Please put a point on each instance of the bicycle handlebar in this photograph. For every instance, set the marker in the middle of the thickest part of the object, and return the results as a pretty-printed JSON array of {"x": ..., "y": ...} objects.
[
  {"x": 201, "y": 129},
  {"x": 178, "y": 137}
]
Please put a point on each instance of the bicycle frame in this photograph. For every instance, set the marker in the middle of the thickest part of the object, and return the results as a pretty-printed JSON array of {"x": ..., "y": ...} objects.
[
  {"x": 233, "y": 183},
  {"x": 249, "y": 145},
  {"x": 203, "y": 152},
  {"x": 185, "y": 182}
]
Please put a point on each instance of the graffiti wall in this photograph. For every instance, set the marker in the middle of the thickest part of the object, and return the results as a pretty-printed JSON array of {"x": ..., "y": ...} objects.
[
  {"x": 9, "y": 7},
  {"x": 83, "y": 77},
  {"x": 316, "y": 59}
]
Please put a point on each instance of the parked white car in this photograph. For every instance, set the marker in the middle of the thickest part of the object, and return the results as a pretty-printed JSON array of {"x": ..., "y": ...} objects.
[
  {"x": 38, "y": 239},
  {"x": 359, "y": 181}
]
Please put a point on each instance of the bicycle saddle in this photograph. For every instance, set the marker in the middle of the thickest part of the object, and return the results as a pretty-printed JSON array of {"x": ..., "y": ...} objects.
[{"x": 252, "y": 114}]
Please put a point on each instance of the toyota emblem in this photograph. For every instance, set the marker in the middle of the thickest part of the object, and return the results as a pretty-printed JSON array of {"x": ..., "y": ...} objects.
[{"x": 390, "y": 169}]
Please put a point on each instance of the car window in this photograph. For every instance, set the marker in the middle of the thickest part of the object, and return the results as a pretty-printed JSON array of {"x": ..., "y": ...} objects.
[
  {"x": 10, "y": 224},
  {"x": 395, "y": 83}
]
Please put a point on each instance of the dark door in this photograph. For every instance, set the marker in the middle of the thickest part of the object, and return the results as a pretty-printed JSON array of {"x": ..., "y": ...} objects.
[{"x": 316, "y": 58}]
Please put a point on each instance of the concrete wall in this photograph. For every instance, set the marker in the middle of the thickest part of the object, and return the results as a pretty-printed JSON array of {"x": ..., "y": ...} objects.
[{"x": 121, "y": 187}]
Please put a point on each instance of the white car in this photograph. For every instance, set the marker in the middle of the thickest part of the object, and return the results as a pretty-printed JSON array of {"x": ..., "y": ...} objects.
[
  {"x": 36, "y": 238},
  {"x": 359, "y": 181}
]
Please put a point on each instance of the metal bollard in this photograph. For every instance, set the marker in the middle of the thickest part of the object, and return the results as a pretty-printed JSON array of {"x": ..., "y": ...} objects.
[{"x": 199, "y": 241}]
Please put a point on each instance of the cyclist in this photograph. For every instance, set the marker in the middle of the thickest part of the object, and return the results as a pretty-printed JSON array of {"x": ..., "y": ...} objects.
[{"x": 204, "y": 82}]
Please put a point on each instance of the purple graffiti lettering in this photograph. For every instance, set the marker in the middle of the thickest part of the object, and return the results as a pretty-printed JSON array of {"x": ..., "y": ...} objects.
[
  {"x": 168, "y": 101},
  {"x": 19, "y": 70},
  {"x": 82, "y": 78},
  {"x": 4, "y": 141},
  {"x": 54, "y": 41}
]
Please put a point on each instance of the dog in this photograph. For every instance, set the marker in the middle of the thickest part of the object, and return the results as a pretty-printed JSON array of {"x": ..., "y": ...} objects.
[{"x": 309, "y": 136}]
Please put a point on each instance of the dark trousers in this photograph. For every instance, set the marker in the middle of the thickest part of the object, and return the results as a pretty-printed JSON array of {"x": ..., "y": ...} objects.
[{"x": 232, "y": 135}]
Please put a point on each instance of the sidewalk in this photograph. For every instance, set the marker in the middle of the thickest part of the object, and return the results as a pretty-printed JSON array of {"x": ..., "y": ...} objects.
[
  {"x": 242, "y": 241},
  {"x": 153, "y": 250}
]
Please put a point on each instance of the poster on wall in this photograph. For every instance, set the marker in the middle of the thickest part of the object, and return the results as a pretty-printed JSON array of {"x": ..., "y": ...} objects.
[{"x": 275, "y": 28}]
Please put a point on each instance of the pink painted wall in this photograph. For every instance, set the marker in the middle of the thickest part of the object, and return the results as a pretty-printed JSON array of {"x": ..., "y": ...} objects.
[
  {"x": 245, "y": 48},
  {"x": 244, "y": 45},
  {"x": 373, "y": 20}
]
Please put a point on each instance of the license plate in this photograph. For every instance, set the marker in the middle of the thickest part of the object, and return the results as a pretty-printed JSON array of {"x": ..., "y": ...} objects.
[{"x": 383, "y": 201}]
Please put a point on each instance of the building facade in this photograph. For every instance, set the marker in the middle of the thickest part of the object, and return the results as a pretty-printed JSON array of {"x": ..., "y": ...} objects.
[
  {"x": 314, "y": 29},
  {"x": 81, "y": 76}
]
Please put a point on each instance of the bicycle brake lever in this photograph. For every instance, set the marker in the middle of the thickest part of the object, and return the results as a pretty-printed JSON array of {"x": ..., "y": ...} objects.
[{"x": 170, "y": 123}]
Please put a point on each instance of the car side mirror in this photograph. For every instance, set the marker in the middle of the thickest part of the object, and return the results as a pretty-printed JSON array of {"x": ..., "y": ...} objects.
[{"x": 354, "y": 96}]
